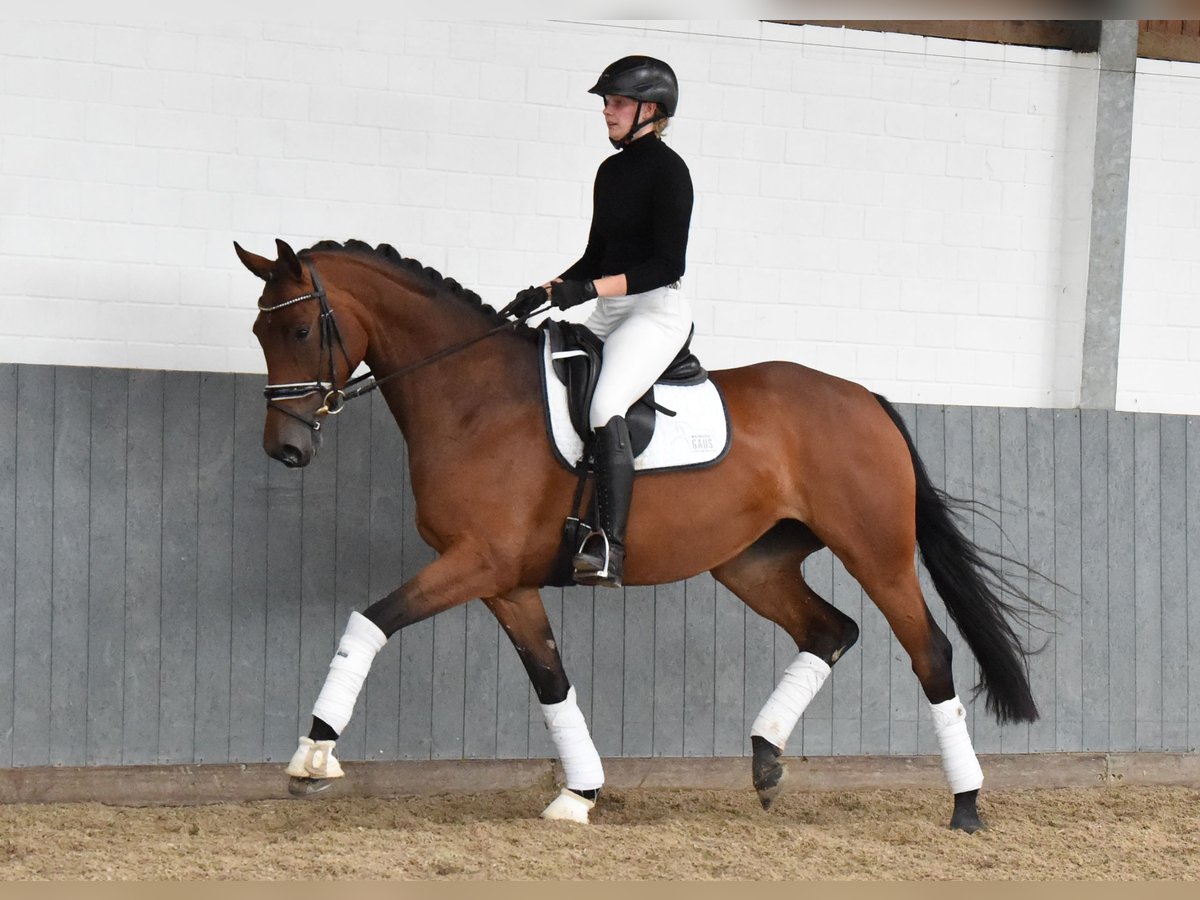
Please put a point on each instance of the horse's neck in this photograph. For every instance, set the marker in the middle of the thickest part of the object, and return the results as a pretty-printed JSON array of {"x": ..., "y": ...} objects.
[{"x": 433, "y": 402}]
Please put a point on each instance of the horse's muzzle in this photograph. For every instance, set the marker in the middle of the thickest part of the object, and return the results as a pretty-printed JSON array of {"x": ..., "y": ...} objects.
[{"x": 294, "y": 446}]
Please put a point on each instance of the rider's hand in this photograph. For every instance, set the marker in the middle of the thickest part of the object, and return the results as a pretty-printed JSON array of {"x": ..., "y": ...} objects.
[
  {"x": 525, "y": 302},
  {"x": 565, "y": 294}
]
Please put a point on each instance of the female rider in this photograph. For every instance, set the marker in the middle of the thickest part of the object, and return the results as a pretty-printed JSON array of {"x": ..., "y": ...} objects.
[{"x": 635, "y": 255}]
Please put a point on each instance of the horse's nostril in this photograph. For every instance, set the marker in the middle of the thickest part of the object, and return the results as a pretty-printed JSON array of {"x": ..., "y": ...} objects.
[{"x": 291, "y": 457}]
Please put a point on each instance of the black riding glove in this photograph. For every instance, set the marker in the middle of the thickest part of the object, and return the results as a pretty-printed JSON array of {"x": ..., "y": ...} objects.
[
  {"x": 525, "y": 302},
  {"x": 565, "y": 294}
]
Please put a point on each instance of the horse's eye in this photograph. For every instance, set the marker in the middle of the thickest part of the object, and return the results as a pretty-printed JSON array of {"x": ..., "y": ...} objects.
[{"x": 302, "y": 332}]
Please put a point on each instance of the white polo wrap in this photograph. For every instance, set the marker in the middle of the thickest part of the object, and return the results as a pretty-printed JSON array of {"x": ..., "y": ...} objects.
[
  {"x": 800, "y": 683},
  {"x": 574, "y": 744},
  {"x": 348, "y": 671},
  {"x": 958, "y": 756}
]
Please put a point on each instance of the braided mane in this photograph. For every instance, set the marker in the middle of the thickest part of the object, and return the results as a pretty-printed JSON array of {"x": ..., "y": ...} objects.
[{"x": 428, "y": 276}]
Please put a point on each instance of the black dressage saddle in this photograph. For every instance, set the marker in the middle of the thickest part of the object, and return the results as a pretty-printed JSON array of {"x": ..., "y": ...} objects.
[{"x": 577, "y": 354}]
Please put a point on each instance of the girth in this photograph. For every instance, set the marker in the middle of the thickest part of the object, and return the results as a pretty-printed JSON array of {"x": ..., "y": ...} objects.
[{"x": 577, "y": 354}]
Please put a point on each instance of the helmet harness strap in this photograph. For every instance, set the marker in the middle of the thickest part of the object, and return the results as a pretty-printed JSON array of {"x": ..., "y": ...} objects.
[{"x": 637, "y": 125}]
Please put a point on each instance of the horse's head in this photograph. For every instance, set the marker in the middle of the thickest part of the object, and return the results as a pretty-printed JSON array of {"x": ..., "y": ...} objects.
[{"x": 310, "y": 351}]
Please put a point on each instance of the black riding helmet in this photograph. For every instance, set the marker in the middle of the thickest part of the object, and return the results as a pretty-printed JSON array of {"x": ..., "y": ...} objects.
[{"x": 644, "y": 79}]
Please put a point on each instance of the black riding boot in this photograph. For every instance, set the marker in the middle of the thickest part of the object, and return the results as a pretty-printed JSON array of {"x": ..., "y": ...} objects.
[{"x": 602, "y": 556}]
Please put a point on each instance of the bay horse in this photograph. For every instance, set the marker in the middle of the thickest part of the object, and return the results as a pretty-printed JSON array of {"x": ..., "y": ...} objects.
[{"x": 814, "y": 461}]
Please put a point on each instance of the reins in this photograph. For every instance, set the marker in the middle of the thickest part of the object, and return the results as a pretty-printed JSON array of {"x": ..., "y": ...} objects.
[{"x": 336, "y": 398}]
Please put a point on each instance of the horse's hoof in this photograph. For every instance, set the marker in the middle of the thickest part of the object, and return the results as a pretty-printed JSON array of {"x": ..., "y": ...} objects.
[
  {"x": 966, "y": 813},
  {"x": 968, "y": 823},
  {"x": 568, "y": 806},
  {"x": 308, "y": 787},
  {"x": 769, "y": 773}
]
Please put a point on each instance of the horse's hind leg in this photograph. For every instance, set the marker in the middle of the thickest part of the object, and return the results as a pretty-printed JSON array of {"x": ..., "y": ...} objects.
[
  {"x": 523, "y": 618},
  {"x": 894, "y": 588},
  {"x": 931, "y": 652},
  {"x": 767, "y": 577}
]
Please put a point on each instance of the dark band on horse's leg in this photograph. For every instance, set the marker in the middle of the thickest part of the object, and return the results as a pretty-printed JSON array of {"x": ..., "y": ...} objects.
[
  {"x": 321, "y": 731},
  {"x": 523, "y": 618},
  {"x": 936, "y": 671}
]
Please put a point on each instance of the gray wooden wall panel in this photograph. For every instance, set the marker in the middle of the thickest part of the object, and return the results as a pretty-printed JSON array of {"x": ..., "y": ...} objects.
[
  {"x": 180, "y": 510},
  {"x": 1147, "y": 585},
  {"x": 637, "y": 724},
  {"x": 8, "y": 567},
  {"x": 31, "y": 663},
  {"x": 248, "y": 579},
  {"x": 170, "y": 595},
  {"x": 699, "y": 666},
  {"x": 143, "y": 571},
  {"x": 1122, "y": 683},
  {"x": 1173, "y": 573},
  {"x": 730, "y": 735},
  {"x": 214, "y": 566},
  {"x": 1094, "y": 564},
  {"x": 69, "y": 566},
  {"x": 1068, "y": 558},
  {"x": 1192, "y": 512},
  {"x": 608, "y": 663},
  {"x": 668, "y": 670},
  {"x": 106, "y": 576},
  {"x": 1192, "y": 563}
]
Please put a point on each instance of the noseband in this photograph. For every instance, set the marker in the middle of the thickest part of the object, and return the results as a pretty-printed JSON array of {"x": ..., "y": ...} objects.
[{"x": 335, "y": 399}]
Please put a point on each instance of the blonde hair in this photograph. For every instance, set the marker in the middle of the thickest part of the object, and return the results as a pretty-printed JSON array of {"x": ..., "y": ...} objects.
[{"x": 660, "y": 126}]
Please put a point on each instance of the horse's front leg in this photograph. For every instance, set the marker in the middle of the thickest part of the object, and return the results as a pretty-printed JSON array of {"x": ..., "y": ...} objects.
[
  {"x": 453, "y": 578},
  {"x": 523, "y": 617}
]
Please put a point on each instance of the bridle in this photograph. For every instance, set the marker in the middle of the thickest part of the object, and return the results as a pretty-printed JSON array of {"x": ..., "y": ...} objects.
[{"x": 335, "y": 398}]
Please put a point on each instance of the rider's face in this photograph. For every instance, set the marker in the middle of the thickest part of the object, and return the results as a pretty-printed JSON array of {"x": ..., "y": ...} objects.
[{"x": 619, "y": 112}]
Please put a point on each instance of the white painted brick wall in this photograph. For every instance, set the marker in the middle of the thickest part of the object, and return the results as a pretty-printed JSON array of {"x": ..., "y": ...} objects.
[
  {"x": 907, "y": 212},
  {"x": 1160, "y": 317}
]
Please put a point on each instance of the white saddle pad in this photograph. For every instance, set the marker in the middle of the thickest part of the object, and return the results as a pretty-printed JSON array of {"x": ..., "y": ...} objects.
[{"x": 697, "y": 435}]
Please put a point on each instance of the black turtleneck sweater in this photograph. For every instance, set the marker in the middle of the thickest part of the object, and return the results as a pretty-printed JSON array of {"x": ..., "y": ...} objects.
[{"x": 641, "y": 209}]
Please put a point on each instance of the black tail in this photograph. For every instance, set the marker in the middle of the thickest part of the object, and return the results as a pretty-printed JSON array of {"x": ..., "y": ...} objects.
[{"x": 970, "y": 586}]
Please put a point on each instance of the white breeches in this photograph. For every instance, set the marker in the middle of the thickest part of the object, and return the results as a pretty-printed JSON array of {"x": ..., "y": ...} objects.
[{"x": 641, "y": 334}]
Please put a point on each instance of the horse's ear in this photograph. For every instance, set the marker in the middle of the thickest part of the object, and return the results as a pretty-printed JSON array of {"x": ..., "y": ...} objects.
[
  {"x": 288, "y": 257},
  {"x": 258, "y": 265}
]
